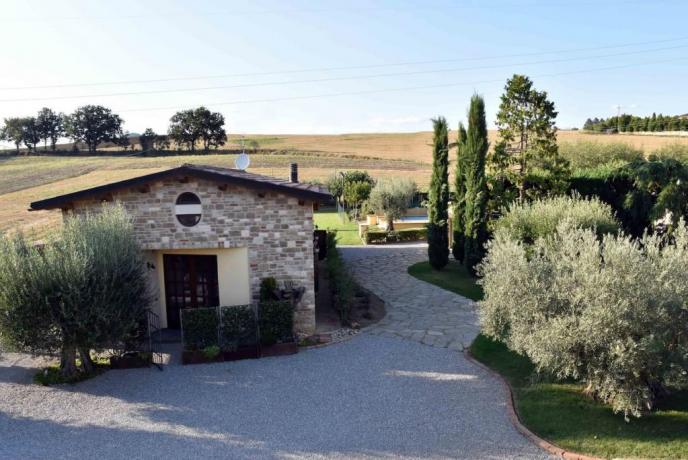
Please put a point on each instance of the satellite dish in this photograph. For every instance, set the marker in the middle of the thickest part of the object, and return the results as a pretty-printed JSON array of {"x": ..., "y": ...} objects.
[{"x": 242, "y": 161}]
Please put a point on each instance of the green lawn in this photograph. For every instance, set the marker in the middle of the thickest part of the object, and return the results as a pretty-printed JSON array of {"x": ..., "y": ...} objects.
[
  {"x": 347, "y": 232},
  {"x": 454, "y": 277},
  {"x": 560, "y": 412}
]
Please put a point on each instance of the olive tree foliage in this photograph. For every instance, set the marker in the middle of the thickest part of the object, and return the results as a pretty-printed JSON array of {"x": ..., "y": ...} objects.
[
  {"x": 610, "y": 311},
  {"x": 392, "y": 198},
  {"x": 84, "y": 290},
  {"x": 539, "y": 218},
  {"x": 438, "y": 197},
  {"x": 94, "y": 125}
]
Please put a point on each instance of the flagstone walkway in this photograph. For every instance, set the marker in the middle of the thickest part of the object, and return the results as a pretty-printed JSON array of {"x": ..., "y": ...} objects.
[{"x": 416, "y": 310}]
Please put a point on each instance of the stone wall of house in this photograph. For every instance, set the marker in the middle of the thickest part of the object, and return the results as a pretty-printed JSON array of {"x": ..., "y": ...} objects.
[{"x": 276, "y": 228}]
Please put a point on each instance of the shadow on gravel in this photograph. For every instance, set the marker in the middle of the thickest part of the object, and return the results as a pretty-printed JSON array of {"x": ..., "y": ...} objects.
[{"x": 367, "y": 398}]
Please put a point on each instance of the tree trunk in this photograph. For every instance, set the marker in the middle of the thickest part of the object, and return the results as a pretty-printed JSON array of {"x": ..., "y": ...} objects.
[
  {"x": 86, "y": 361},
  {"x": 68, "y": 361},
  {"x": 390, "y": 224}
]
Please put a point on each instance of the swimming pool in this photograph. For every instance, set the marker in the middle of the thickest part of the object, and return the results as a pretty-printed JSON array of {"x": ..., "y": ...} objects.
[{"x": 412, "y": 219}]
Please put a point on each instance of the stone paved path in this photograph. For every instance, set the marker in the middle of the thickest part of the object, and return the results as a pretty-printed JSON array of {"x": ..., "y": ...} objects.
[{"x": 416, "y": 310}]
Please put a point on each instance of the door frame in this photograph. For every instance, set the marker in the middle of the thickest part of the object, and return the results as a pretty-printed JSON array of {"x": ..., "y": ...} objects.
[{"x": 190, "y": 268}]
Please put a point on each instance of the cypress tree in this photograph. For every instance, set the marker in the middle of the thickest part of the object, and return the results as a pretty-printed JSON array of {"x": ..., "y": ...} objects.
[
  {"x": 459, "y": 208},
  {"x": 475, "y": 152},
  {"x": 438, "y": 238}
]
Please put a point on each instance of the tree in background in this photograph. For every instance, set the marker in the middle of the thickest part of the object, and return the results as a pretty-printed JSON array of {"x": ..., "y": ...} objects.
[
  {"x": 337, "y": 184},
  {"x": 475, "y": 153},
  {"x": 31, "y": 135},
  {"x": 211, "y": 127},
  {"x": 148, "y": 140},
  {"x": 391, "y": 198},
  {"x": 50, "y": 126},
  {"x": 93, "y": 125},
  {"x": 183, "y": 130},
  {"x": 459, "y": 204},
  {"x": 13, "y": 131},
  {"x": 527, "y": 139},
  {"x": 187, "y": 127},
  {"x": 85, "y": 290},
  {"x": 355, "y": 194},
  {"x": 438, "y": 197}
]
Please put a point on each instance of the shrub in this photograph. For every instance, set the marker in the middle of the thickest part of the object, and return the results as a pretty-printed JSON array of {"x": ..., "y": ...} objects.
[
  {"x": 276, "y": 322},
  {"x": 609, "y": 312},
  {"x": 408, "y": 234},
  {"x": 341, "y": 284},
  {"x": 238, "y": 327},
  {"x": 530, "y": 221},
  {"x": 589, "y": 154},
  {"x": 200, "y": 328}
]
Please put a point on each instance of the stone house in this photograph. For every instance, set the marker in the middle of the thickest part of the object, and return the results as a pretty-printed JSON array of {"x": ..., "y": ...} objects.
[{"x": 210, "y": 234}]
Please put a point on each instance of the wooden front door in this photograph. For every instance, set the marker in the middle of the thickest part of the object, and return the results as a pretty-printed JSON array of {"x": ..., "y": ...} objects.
[{"x": 190, "y": 282}]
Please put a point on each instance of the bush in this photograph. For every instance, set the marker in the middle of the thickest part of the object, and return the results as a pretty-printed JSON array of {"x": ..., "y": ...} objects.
[
  {"x": 638, "y": 192},
  {"x": 530, "y": 221},
  {"x": 381, "y": 236},
  {"x": 200, "y": 328},
  {"x": 589, "y": 154},
  {"x": 609, "y": 312},
  {"x": 341, "y": 283},
  {"x": 672, "y": 152},
  {"x": 276, "y": 322},
  {"x": 238, "y": 327}
]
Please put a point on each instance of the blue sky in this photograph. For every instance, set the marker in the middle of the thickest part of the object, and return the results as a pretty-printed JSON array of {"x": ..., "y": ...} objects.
[{"x": 333, "y": 67}]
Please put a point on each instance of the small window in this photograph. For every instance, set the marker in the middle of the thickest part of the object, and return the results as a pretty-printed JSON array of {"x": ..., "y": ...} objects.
[{"x": 188, "y": 209}]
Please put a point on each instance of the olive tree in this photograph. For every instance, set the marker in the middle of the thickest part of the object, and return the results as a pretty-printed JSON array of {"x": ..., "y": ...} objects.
[
  {"x": 84, "y": 290},
  {"x": 609, "y": 311},
  {"x": 392, "y": 198}
]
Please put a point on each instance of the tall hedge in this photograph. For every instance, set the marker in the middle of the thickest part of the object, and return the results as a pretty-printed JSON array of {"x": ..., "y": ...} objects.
[
  {"x": 459, "y": 205},
  {"x": 438, "y": 197},
  {"x": 475, "y": 153}
]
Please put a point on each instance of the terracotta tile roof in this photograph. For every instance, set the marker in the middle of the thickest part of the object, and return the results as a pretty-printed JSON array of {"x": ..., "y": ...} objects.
[{"x": 213, "y": 173}]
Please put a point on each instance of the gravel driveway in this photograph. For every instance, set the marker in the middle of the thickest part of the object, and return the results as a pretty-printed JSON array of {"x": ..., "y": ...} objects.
[{"x": 373, "y": 397}]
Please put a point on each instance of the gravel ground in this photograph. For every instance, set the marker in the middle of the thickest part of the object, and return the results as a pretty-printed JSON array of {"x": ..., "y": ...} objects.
[{"x": 370, "y": 397}]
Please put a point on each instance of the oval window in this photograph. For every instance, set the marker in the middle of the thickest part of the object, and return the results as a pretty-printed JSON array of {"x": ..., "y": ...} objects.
[{"x": 188, "y": 209}]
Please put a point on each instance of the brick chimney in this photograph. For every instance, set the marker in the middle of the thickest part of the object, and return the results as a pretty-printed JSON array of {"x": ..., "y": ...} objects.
[{"x": 294, "y": 173}]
